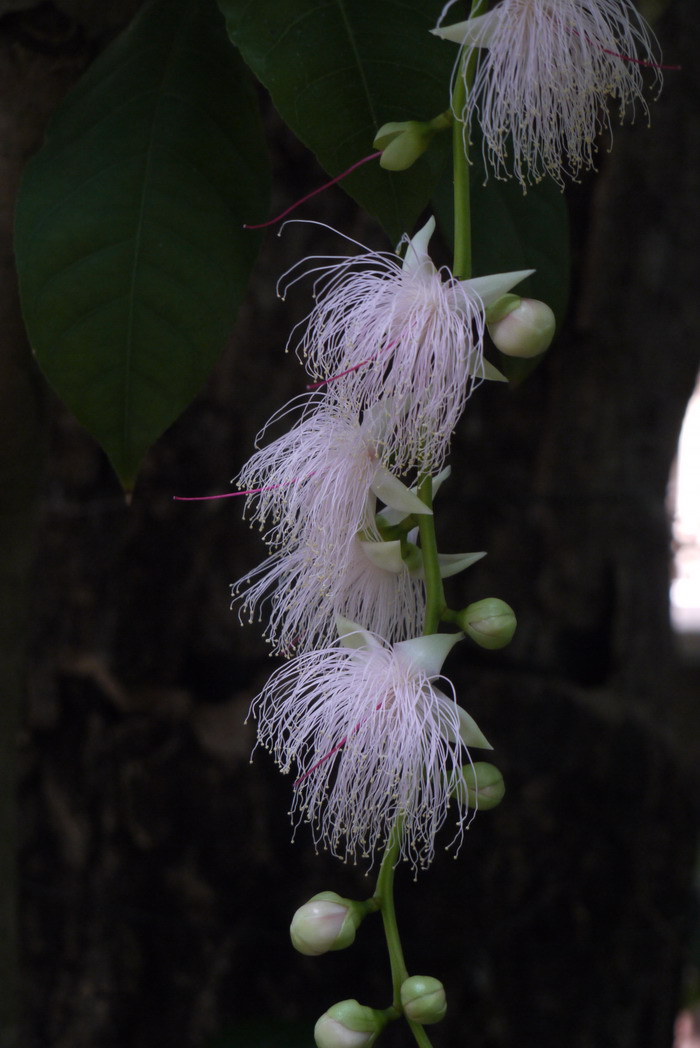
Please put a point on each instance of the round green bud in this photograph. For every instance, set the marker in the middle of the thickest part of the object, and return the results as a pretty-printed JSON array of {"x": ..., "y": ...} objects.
[
  {"x": 489, "y": 622},
  {"x": 348, "y": 1024},
  {"x": 423, "y": 999},
  {"x": 525, "y": 330},
  {"x": 481, "y": 786},
  {"x": 326, "y": 922}
]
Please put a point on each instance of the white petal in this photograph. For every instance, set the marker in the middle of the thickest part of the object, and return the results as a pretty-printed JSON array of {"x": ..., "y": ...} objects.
[
  {"x": 385, "y": 555},
  {"x": 376, "y": 420},
  {"x": 417, "y": 249},
  {"x": 488, "y": 372},
  {"x": 426, "y": 654},
  {"x": 353, "y": 636},
  {"x": 393, "y": 516},
  {"x": 475, "y": 31},
  {"x": 395, "y": 494},
  {"x": 452, "y": 563},
  {"x": 469, "y": 731},
  {"x": 489, "y": 289}
]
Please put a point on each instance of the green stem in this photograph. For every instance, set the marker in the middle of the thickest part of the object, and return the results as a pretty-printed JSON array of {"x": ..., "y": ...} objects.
[
  {"x": 384, "y": 900},
  {"x": 462, "y": 267},
  {"x": 435, "y": 606},
  {"x": 434, "y": 591}
]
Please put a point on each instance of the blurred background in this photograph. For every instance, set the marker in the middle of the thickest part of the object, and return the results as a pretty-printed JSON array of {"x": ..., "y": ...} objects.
[{"x": 156, "y": 877}]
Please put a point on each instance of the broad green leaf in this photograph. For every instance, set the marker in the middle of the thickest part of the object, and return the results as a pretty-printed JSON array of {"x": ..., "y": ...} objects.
[
  {"x": 130, "y": 248},
  {"x": 339, "y": 69},
  {"x": 515, "y": 230}
]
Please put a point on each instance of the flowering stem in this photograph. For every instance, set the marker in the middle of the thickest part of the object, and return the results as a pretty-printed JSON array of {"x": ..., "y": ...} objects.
[
  {"x": 384, "y": 900},
  {"x": 462, "y": 267},
  {"x": 434, "y": 591}
]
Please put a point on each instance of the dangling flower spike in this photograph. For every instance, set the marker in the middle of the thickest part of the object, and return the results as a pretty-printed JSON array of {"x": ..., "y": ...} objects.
[
  {"x": 375, "y": 743},
  {"x": 403, "y": 330},
  {"x": 546, "y": 72}
]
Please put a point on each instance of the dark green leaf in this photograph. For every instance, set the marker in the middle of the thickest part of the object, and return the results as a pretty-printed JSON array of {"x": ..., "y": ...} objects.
[
  {"x": 131, "y": 255},
  {"x": 339, "y": 69}
]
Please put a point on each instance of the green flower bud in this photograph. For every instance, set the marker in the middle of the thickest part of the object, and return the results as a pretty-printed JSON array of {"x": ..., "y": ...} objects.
[
  {"x": 524, "y": 328},
  {"x": 348, "y": 1024},
  {"x": 423, "y": 999},
  {"x": 326, "y": 922},
  {"x": 402, "y": 142},
  {"x": 481, "y": 786},
  {"x": 489, "y": 622}
]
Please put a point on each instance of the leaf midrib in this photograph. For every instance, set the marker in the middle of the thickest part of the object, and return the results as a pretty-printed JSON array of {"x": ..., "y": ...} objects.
[{"x": 138, "y": 233}]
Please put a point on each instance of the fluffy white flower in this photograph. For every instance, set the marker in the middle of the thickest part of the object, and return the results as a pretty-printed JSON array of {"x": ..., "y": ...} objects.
[
  {"x": 298, "y": 591},
  {"x": 544, "y": 79},
  {"x": 401, "y": 329},
  {"x": 313, "y": 492},
  {"x": 374, "y": 742}
]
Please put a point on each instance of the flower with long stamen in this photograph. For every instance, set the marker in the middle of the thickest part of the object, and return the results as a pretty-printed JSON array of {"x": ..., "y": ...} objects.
[
  {"x": 314, "y": 494},
  {"x": 376, "y": 745},
  {"x": 545, "y": 73},
  {"x": 401, "y": 329},
  {"x": 321, "y": 476},
  {"x": 298, "y": 591}
]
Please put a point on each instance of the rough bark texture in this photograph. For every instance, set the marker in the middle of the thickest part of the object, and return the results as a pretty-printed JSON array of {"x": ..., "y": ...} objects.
[{"x": 158, "y": 877}]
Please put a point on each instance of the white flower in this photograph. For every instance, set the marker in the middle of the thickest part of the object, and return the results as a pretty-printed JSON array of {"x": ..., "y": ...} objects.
[
  {"x": 322, "y": 476},
  {"x": 542, "y": 85},
  {"x": 314, "y": 490},
  {"x": 403, "y": 330},
  {"x": 300, "y": 589},
  {"x": 375, "y": 743}
]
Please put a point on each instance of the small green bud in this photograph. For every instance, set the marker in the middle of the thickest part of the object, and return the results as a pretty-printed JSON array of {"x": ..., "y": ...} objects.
[
  {"x": 423, "y": 999},
  {"x": 481, "y": 786},
  {"x": 524, "y": 329},
  {"x": 402, "y": 143},
  {"x": 489, "y": 622},
  {"x": 349, "y": 1024},
  {"x": 326, "y": 922}
]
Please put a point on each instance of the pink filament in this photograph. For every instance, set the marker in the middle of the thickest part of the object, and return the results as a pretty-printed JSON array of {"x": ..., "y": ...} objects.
[
  {"x": 640, "y": 61},
  {"x": 332, "y": 752},
  {"x": 355, "y": 367},
  {"x": 628, "y": 58},
  {"x": 341, "y": 374},
  {"x": 233, "y": 494},
  {"x": 313, "y": 193}
]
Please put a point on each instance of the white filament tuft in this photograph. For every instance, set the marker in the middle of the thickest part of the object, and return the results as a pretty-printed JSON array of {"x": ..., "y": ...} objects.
[
  {"x": 544, "y": 79},
  {"x": 381, "y": 328},
  {"x": 311, "y": 495},
  {"x": 373, "y": 744}
]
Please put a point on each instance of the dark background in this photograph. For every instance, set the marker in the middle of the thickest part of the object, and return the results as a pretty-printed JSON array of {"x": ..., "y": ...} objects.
[{"x": 156, "y": 875}]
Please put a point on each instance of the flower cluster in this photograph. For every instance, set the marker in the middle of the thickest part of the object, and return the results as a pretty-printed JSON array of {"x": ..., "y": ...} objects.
[{"x": 394, "y": 346}]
